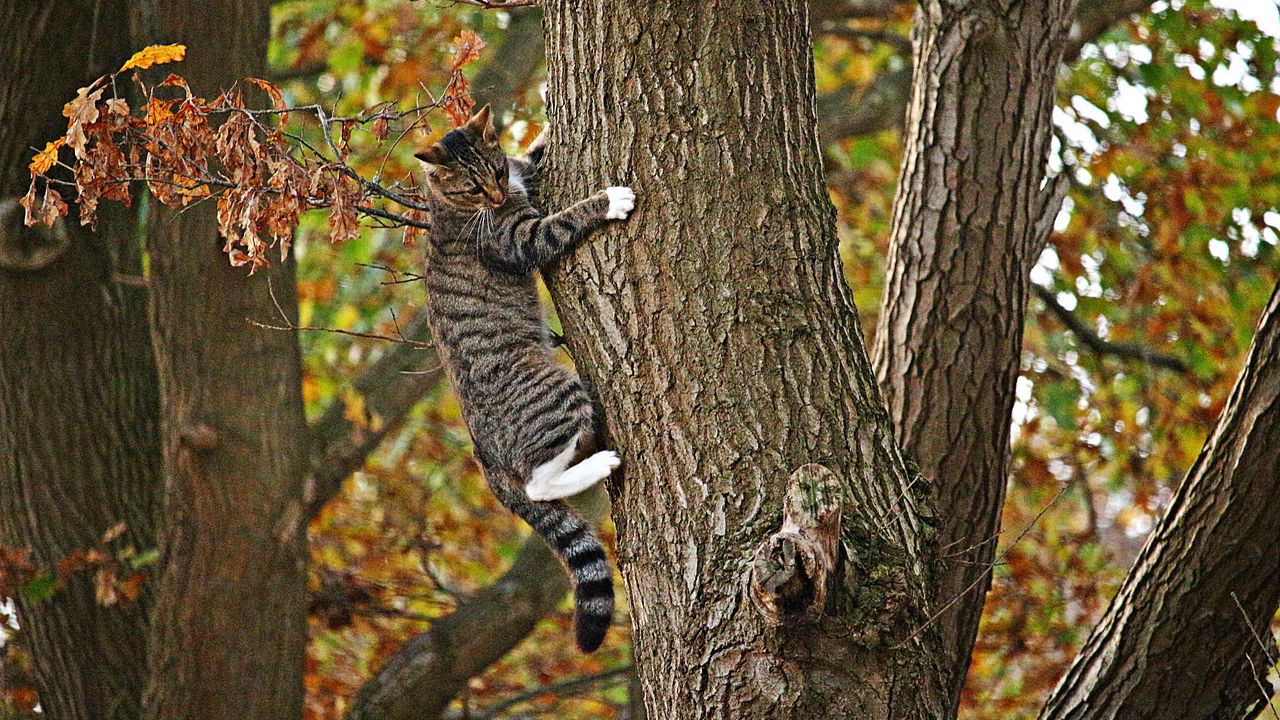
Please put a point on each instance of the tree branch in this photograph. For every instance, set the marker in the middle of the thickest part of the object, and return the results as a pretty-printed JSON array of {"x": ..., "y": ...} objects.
[
  {"x": 389, "y": 388},
  {"x": 848, "y": 112},
  {"x": 1095, "y": 17},
  {"x": 950, "y": 330},
  {"x": 1100, "y": 346},
  {"x": 882, "y": 105},
  {"x": 499, "y": 4},
  {"x": 563, "y": 689},
  {"x": 429, "y": 671},
  {"x": 821, "y": 11},
  {"x": 1182, "y": 638}
]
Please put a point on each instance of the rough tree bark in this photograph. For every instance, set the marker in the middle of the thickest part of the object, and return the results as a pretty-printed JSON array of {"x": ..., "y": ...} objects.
[
  {"x": 718, "y": 328},
  {"x": 1189, "y": 633},
  {"x": 229, "y": 627},
  {"x": 972, "y": 214},
  {"x": 79, "y": 449}
]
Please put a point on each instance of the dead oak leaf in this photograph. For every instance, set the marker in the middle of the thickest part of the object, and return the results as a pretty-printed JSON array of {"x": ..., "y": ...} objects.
[
  {"x": 81, "y": 111},
  {"x": 154, "y": 55},
  {"x": 466, "y": 47},
  {"x": 44, "y": 160}
]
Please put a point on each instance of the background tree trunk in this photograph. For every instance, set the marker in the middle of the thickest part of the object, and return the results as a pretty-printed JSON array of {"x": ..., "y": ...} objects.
[
  {"x": 79, "y": 449},
  {"x": 229, "y": 628},
  {"x": 1189, "y": 633},
  {"x": 717, "y": 325},
  {"x": 513, "y": 63},
  {"x": 970, "y": 220}
]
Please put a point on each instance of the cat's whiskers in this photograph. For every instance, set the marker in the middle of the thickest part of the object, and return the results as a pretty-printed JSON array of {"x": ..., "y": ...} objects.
[{"x": 474, "y": 219}]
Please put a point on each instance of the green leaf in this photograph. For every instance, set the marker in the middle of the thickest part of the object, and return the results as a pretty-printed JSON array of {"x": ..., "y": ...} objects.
[
  {"x": 1059, "y": 402},
  {"x": 40, "y": 588},
  {"x": 145, "y": 558}
]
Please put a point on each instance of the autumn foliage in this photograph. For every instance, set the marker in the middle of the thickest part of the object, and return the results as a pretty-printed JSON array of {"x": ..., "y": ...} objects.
[
  {"x": 186, "y": 149},
  {"x": 1187, "y": 189}
]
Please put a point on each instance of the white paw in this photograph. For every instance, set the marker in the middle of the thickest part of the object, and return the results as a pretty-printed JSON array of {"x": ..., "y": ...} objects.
[
  {"x": 575, "y": 479},
  {"x": 603, "y": 462},
  {"x": 622, "y": 200}
]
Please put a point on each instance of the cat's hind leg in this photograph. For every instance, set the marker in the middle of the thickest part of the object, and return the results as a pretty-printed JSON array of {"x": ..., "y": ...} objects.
[
  {"x": 575, "y": 479},
  {"x": 541, "y": 479}
]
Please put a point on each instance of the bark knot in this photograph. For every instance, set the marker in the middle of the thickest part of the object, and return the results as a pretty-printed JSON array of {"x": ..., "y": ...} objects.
[
  {"x": 792, "y": 568},
  {"x": 199, "y": 437}
]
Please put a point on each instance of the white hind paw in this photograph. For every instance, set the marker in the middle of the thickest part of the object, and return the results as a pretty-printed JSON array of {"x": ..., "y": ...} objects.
[
  {"x": 575, "y": 479},
  {"x": 622, "y": 200}
]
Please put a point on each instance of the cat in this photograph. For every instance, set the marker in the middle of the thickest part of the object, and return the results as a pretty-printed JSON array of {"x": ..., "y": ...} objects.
[{"x": 529, "y": 416}]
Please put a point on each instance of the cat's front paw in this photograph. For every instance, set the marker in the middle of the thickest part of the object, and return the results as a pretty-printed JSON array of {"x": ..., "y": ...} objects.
[{"x": 622, "y": 200}]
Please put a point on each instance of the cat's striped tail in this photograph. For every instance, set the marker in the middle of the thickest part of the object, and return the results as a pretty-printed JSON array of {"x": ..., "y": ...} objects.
[{"x": 572, "y": 539}]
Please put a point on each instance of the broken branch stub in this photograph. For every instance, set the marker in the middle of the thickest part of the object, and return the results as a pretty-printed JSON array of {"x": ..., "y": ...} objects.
[{"x": 792, "y": 568}]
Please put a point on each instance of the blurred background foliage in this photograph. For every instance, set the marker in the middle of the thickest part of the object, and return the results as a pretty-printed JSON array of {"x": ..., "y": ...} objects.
[{"x": 1163, "y": 257}]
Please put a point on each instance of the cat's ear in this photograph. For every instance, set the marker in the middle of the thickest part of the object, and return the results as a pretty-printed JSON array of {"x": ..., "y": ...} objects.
[
  {"x": 482, "y": 122},
  {"x": 434, "y": 155}
]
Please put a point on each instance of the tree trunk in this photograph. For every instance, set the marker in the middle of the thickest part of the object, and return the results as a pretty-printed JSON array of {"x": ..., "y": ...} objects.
[
  {"x": 79, "y": 446},
  {"x": 970, "y": 220},
  {"x": 513, "y": 63},
  {"x": 229, "y": 629},
  {"x": 717, "y": 326},
  {"x": 1189, "y": 634}
]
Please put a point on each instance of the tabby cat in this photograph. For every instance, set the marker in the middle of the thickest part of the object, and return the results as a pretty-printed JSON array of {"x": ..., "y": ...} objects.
[{"x": 529, "y": 416}]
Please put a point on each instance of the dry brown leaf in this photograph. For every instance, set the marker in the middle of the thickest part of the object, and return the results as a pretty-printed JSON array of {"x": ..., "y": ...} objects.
[
  {"x": 411, "y": 233},
  {"x": 466, "y": 47},
  {"x": 53, "y": 206},
  {"x": 118, "y": 107},
  {"x": 344, "y": 221},
  {"x": 277, "y": 98},
  {"x": 81, "y": 111},
  {"x": 237, "y": 148},
  {"x": 104, "y": 586},
  {"x": 28, "y": 203}
]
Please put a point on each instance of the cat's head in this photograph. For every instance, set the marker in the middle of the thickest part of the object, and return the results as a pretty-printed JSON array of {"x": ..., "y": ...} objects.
[{"x": 467, "y": 168}]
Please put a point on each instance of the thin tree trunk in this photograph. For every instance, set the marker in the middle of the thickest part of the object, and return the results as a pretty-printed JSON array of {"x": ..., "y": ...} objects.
[
  {"x": 970, "y": 220},
  {"x": 79, "y": 446},
  {"x": 717, "y": 326},
  {"x": 1189, "y": 634},
  {"x": 229, "y": 629},
  {"x": 512, "y": 64}
]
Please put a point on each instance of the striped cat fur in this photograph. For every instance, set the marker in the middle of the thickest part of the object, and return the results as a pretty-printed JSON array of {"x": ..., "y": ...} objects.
[{"x": 529, "y": 416}]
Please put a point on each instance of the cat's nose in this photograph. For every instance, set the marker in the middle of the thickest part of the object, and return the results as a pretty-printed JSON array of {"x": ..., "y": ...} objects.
[{"x": 496, "y": 197}]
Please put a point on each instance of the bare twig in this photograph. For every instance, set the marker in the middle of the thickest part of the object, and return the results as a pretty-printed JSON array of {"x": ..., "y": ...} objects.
[
  {"x": 1100, "y": 346},
  {"x": 1268, "y": 652},
  {"x": 498, "y": 4},
  {"x": 990, "y": 566},
  {"x": 564, "y": 688},
  {"x": 399, "y": 276},
  {"x": 292, "y": 326}
]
